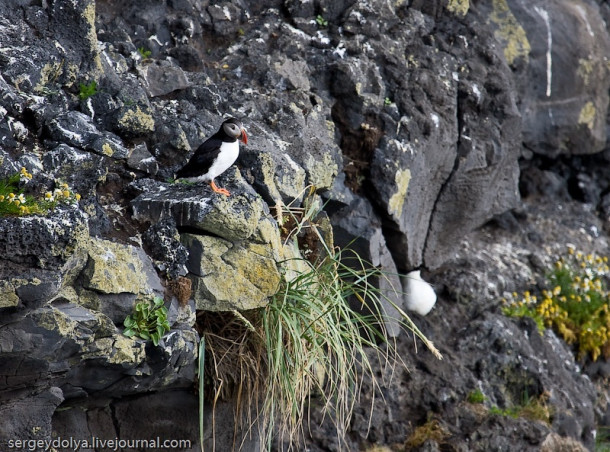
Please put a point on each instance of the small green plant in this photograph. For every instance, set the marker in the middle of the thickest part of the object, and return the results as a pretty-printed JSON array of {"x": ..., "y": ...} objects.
[
  {"x": 532, "y": 408},
  {"x": 387, "y": 101},
  {"x": 144, "y": 52},
  {"x": 148, "y": 321},
  {"x": 602, "y": 439},
  {"x": 14, "y": 202},
  {"x": 575, "y": 303},
  {"x": 87, "y": 90},
  {"x": 476, "y": 396},
  {"x": 321, "y": 21}
]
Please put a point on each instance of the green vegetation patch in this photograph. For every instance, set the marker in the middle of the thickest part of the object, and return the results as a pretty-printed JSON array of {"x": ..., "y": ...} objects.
[
  {"x": 574, "y": 303},
  {"x": 87, "y": 90},
  {"x": 148, "y": 321},
  {"x": 15, "y": 203}
]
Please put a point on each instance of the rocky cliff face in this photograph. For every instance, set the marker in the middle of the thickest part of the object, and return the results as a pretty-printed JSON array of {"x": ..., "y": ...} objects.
[{"x": 417, "y": 122}]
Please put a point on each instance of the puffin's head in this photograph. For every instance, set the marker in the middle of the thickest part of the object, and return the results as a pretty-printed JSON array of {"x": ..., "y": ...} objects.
[{"x": 233, "y": 128}]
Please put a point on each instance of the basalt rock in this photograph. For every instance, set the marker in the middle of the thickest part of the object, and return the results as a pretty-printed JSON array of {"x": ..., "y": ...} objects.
[
  {"x": 197, "y": 206},
  {"x": 78, "y": 130},
  {"x": 408, "y": 117},
  {"x": 563, "y": 45},
  {"x": 42, "y": 242},
  {"x": 251, "y": 270}
]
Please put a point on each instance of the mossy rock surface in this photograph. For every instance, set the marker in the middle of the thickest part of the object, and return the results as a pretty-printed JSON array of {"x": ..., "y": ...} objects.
[
  {"x": 196, "y": 206},
  {"x": 114, "y": 268},
  {"x": 229, "y": 276}
]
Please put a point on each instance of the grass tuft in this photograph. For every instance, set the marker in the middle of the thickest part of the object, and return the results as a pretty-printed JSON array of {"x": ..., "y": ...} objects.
[{"x": 307, "y": 342}]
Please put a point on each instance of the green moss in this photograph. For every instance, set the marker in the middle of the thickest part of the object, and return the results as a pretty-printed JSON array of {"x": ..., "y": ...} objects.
[
  {"x": 86, "y": 90},
  {"x": 476, "y": 396}
]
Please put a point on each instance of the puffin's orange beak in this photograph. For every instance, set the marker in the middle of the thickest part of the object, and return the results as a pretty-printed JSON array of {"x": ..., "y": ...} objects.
[{"x": 244, "y": 136}]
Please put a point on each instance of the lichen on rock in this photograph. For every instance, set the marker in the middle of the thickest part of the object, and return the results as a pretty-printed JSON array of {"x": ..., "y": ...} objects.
[
  {"x": 113, "y": 268},
  {"x": 228, "y": 276}
]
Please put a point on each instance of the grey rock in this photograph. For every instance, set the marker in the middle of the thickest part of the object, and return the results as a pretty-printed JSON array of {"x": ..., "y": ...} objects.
[
  {"x": 196, "y": 206},
  {"x": 162, "y": 79},
  {"x": 43, "y": 242},
  {"x": 563, "y": 45},
  {"x": 296, "y": 73},
  {"x": 142, "y": 160},
  {"x": 81, "y": 170},
  {"x": 28, "y": 417},
  {"x": 113, "y": 268},
  {"x": 274, "y": 174},
  {"x": 181, "y": 315},
  {"x": 134, "y": 120},
  {"x": 77, "y": 129},
  {"x": 58, "y": 55},
  {"x": 251, "y": 269},
  {"x": 162, "y": 241}
]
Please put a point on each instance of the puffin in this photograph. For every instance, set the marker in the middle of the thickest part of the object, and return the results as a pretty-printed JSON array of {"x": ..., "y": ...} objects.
[
  {"x": 419, "y": 296},
  {"x": 215, "y": 155}
]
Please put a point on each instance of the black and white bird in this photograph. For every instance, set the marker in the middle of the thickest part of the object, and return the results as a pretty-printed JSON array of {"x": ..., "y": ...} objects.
[{"x": 215, "y": 155}]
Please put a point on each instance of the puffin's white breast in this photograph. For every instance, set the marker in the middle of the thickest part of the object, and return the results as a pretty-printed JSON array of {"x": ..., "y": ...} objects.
[{"x": 226, "y": 157}]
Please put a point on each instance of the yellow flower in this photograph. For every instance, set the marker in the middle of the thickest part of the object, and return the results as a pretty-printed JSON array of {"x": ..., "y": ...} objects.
[
  {"x": 66, "y": 193},
  {"x": 77, "y": 196},
  {"x": 557, "y": 290}
]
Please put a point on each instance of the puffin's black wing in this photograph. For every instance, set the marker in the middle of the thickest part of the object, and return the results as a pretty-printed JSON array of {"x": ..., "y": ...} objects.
[{"x": 202, "y": 159}]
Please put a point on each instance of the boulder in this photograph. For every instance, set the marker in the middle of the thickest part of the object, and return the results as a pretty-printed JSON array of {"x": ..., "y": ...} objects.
[
  {"x": 113, "y": 268},
  {"x": 160, "y": 79},
  {"x": 27, "y": 418},
  {"x": 78, "y": 130},
  {"x": 42, "y": 242},
  {"x": 275, "y": 175},
  {"x": 564, "y": 45},
  {"x": 162, "y": 242},
  {"x": 250, "y": 268},
  {"x": 196, "y": 206},
  {"x": 81, "y": 170},
  {"x": 142, "y": 160}
]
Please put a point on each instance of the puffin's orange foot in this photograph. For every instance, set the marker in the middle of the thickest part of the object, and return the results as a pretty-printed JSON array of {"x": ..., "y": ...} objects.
[{"x": 217, "y": 189}]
